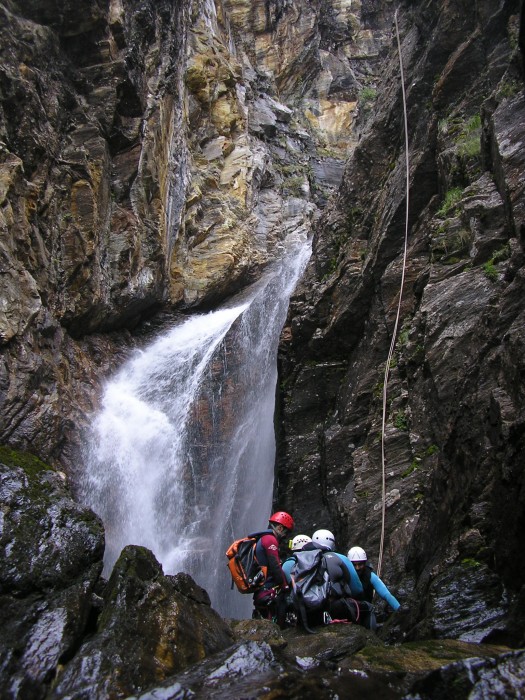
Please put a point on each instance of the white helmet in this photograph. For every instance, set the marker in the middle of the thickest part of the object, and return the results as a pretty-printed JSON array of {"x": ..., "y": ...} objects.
[
  {"x": 299, "y": 541},
  {"x": 325, "y": 538},
  {"x": 357, "y": 554}
]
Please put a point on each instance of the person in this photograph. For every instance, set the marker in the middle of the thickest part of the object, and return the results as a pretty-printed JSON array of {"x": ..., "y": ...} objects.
[
  {"x": 298, "y": 542},
  {"x": 325, "y": 540},
  {"x": 338, "y": 603},
  {"x": 270, "y": 601},
  {"x": 370, "y": 581}
]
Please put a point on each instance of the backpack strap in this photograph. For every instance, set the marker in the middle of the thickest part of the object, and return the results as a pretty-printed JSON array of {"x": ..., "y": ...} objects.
[
  {"x": 354, "y": 615},
  {"x": 301, "y": 609}
]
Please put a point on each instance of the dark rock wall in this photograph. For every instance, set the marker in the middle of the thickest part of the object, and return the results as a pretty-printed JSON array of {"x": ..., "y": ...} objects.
[{"x": 454, "y": 437}]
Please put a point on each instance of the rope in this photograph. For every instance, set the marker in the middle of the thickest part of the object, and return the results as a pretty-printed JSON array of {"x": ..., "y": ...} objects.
[{"x": 394, "y": 334}]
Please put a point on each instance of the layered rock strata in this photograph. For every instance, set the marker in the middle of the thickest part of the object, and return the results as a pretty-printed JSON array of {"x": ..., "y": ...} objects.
[
  {"x": 454, "y": 429},
  {"x": 153, "y": 156}
]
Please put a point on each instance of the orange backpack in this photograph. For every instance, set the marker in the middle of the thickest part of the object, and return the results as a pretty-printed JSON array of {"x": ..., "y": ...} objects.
[{"x": 247, "y": 574}]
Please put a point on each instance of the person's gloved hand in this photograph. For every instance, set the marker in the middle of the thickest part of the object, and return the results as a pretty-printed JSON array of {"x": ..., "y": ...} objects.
[{"x": 403, "y": 610}]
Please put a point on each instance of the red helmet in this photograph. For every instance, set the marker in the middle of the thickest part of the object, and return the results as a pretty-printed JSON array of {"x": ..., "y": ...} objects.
[{"x": 282, "y": 518}]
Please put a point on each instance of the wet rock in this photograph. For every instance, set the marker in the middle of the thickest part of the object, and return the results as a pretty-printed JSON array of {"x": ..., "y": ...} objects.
[
  {"x": 405, "y": 666},
  {"x": 51, "y": 560},
  {"x": 507, "y": 140},
  {"x": 474, "y": 678},
  {"x": 147, "y": 630},
  {"x": 243, "y": 668},
  {"x": 187, "y": 586},
  {"x": 74, "y": 206},
  {"x": 451, "y": 402},
  {"x": 330, "y": 643},
  {"x": 47, "y": 539},
  {"x": 40, "y": 633},
  {"x": 146, "y": 161},
  {"x": 342, "y": 660},
  {"x": 466, "y": 602},
  {"x": 259, "y": 631}
]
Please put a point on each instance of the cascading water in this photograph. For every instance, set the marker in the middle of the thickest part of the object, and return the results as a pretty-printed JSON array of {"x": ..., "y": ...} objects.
[{"x": 180, "y": 458}]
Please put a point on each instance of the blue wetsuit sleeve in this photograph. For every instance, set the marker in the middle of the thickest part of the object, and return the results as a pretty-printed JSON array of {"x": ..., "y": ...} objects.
[
  {"x": 355, "y": 584},
  {"x": 287, "y": 568},
  {"x": 383, "y": 591}
]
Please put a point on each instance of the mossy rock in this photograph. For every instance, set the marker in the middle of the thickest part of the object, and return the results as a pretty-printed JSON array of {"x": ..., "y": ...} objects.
[
  {"x": 421, "y": 657},
  {"x": 31, "y": 464},
  {"x": 47, "y": 539}
]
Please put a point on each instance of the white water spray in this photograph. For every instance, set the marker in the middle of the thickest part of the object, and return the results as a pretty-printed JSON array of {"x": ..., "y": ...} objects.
[{"x": 180, "y": 458}]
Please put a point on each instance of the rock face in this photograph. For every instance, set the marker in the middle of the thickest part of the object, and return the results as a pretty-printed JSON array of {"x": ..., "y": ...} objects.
[
  {"x": 151, "y": 626},
  {"x": 153, "y": 155},
  {"x": 85, "y": 231},
  {"x": 345, "y": 661},
  {"x": 51, "y": 559},
  {"x": 454, "y": 419},
  {"x": 60, "y": 618}
]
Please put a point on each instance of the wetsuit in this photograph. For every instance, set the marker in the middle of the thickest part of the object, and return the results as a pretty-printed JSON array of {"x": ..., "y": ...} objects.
[
  {"x": 355, "y": 582},
  {"x": 269, "y": 600},
  {"x": 371, "y": 582}
]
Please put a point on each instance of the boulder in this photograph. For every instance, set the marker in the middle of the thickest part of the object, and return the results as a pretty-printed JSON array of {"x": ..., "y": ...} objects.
[
  {"x": 47, "y": 539},
  {"x": 51, "y": 558},
  {"x": 151, "y": 626}
]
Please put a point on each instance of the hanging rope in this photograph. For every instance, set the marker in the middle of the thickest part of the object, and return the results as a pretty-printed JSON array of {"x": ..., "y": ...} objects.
[{"x": 394, "y": 334}]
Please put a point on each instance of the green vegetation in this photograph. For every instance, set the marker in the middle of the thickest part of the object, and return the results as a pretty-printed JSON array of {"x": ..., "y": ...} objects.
[
  {"x": 509, "y": 88},
  {"x": 377, "y": 391},
  {"x": 294, "y": 185},
  {"x": 469, "y": 139},
  {"x": 443, "y": 125},
  {"x": 470, "y": 563},
  {"x": 465, "y": 135},
  {"x": 289, "y": 169},
  {"x": 451, "y": 199},
  {"x": 29, "y": 463},
  {"x": 418, "y": 354},
  {"x": 368, "y": 94},
  {"x": 489, "y": 268},
  {"x": 403, "y": 336},
  {"x": 332, "y": 267},
  {"x": 471, "y": 147},
  {"x": 329, "y": 152},
  {"x": 353, "y": 216},
  {"x": 449, "y": 244},
  {"x": 411, "y": 469},
  {"x": 401, "y": 420},
  {"x": 501, "y": 254},
  {"x": 418, "y": 460}
]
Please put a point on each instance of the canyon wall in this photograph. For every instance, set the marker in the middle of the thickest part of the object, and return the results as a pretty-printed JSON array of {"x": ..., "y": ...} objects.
[
  {"x": 153, "y": 156},
  {"x": 454, "y": 429}
]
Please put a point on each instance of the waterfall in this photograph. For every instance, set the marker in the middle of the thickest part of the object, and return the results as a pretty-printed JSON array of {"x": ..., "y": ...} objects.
[{"x": 180, "y": 458}]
